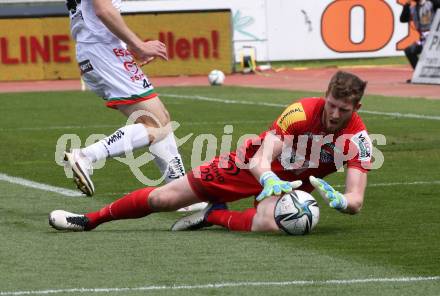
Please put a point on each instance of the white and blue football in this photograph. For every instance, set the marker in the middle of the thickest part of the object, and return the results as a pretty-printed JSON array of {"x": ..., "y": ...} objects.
[{"x": 296, "y": 213}]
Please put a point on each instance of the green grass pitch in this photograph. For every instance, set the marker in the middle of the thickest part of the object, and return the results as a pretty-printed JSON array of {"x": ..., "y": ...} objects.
[{"x": 396, "y": 236}]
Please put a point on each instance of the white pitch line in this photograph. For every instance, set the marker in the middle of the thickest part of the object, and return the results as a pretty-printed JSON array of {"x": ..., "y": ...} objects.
[
  {"x": 40, "y": 186},
  {"x": 224, "y": 122},
  {"x": 398, "y": 184},
  {"x": 55, "y": 127},
  {"x": 218, "y": 100},
  {"x": 224, "y": 101},
  {"x": 404, "y": 115},
  {"x": 404, "y": 183},
  {"x": 183, "y": 123},
  {"x": 225, "y": 285}
]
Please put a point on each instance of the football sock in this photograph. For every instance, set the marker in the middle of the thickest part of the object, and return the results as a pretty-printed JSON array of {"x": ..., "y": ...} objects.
[
  {"x": 167, "y": 158},
  {"x": 125, "y": 139},
  {"x": 131, "y": 206},
  {"x": 233, "y": 220}
]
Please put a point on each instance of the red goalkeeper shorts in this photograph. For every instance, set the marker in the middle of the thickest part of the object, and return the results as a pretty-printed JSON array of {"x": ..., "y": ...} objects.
[{"x": 221, "y": 180}]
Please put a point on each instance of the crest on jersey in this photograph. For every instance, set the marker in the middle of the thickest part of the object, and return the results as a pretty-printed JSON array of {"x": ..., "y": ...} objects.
[
  {"x": 293, "y": 113},
  {"x": 131, "y": 67}
]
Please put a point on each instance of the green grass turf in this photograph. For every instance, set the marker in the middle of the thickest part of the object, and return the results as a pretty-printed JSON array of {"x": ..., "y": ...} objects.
[{"x": 396, "y": 234}]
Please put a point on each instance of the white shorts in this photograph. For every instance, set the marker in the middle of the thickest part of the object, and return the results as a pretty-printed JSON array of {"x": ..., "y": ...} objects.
[{"x": 109, "y": 70}]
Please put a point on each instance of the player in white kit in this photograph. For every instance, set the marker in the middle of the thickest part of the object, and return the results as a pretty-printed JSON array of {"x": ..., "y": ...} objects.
[{"x": 105, "y": 51}]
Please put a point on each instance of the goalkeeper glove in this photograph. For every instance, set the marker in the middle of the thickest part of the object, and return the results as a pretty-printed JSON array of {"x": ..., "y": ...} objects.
[
  {"x": 334, "y": 198},
  {"x": 272, "y": 185}
]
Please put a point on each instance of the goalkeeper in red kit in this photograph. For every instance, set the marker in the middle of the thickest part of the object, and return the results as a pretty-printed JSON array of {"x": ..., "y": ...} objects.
[{"x": 311, "y": 139}]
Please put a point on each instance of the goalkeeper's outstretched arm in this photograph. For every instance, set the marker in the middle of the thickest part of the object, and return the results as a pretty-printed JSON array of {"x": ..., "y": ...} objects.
[
  {"x": 352, "y": 200},
  {"x": 355, "y": 184}
]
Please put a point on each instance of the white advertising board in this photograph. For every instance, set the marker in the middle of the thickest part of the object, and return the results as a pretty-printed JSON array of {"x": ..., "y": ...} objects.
[
  {"x": 303, "y": 30},
  {"x": 428, "y": 67}
]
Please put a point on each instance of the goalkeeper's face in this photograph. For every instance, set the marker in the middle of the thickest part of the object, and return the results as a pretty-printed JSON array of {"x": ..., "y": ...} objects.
[{"x": 337, "y": 113}]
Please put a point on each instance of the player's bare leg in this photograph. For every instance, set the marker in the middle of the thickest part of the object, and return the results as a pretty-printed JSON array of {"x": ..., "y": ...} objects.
[{"x": 264, "y": 218}]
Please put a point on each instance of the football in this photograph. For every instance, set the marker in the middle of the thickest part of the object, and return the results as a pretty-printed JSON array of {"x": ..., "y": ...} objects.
[
  {"x": 296, "y": 213},
  {"x": 216, "y": 77}
]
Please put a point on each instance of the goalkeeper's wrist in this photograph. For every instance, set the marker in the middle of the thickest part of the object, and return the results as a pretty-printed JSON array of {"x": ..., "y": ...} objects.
[{"x": 266, "y": 176}]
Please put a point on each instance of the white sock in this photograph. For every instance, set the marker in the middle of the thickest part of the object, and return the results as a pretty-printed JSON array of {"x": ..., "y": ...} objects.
[
  {"x": 166, "y": 152},
  {"x": 125, "y": 139}
]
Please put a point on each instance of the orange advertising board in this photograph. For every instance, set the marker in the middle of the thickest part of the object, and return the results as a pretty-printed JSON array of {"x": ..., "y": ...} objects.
[
  {"x": 379, "y": 28},
  {"x": 42, "y": 48}
]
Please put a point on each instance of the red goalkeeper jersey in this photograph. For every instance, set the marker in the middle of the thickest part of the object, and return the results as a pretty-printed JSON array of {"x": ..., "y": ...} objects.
[{"x": 308, "y": 148}]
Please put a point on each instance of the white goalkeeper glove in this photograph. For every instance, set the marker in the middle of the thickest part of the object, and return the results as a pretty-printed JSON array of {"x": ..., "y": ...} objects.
[{"x": 333, "y": 198}]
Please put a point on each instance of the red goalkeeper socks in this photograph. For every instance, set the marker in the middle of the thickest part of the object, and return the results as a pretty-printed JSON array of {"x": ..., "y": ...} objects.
[
  {"x": 133, "y": 205},
  {"x": 233, "y": 220}
]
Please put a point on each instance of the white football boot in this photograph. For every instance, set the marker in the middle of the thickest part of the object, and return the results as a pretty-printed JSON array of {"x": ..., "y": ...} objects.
[
  {"x": 197, "y": 220},
  {"x": 82, "y": 169},
  {"x": 194, "y": 207},
  {"x": 62, "y": 220}
]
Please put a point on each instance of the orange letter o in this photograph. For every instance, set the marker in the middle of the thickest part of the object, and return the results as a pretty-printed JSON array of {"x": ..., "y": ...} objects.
[{"x": 336, "y": 25}]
